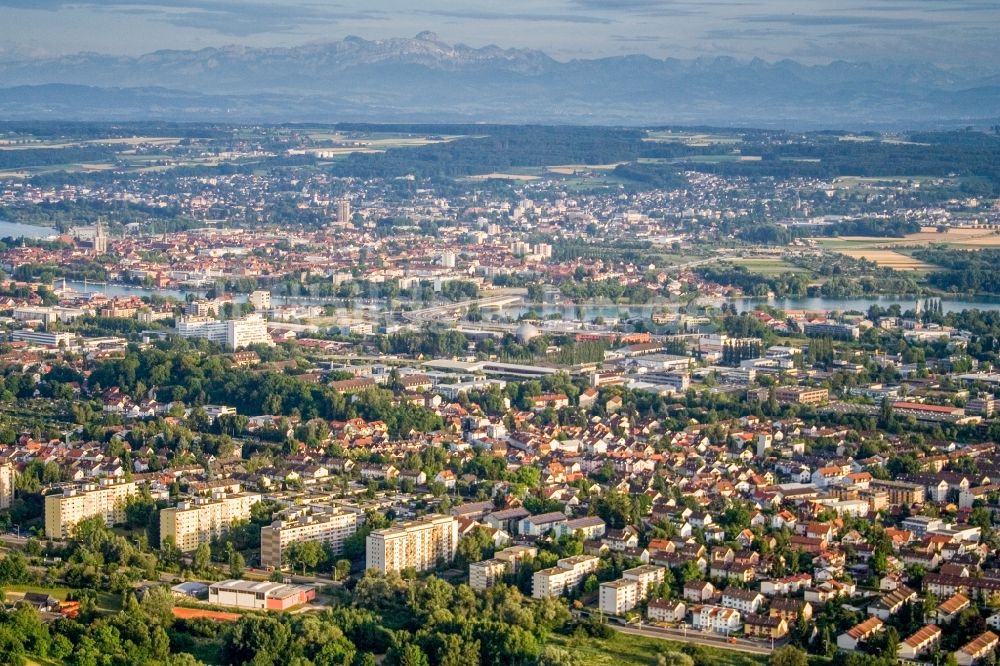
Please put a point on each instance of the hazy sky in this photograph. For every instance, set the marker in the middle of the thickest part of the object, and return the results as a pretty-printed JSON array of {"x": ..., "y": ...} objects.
[{"x": 948, "y": 32}]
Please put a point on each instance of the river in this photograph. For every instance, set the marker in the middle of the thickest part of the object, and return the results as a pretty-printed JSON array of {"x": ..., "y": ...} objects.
[{"x": 18, "y": 230}]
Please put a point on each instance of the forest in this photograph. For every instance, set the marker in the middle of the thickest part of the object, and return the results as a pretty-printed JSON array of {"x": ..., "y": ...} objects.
[{"x": 967, "y": 270}]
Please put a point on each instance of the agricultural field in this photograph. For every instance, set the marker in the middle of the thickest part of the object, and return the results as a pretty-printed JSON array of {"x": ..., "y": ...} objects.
[
  {"x": 767, "y": 265},
  {"x": 962, "y": 237},
  {"x": 887, "y": 259},
  {"x": 696, "y": 139}
]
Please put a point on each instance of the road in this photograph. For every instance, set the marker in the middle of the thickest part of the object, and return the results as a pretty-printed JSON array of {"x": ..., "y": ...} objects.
[{"x": 696, "y": 637}]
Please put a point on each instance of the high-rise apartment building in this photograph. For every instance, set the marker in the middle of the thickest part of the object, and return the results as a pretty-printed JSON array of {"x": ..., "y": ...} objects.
[
  {"x": 6, "y": 485},
  {"x": 200, "y": 520},
  {"x": 330, "y": 526},
  {"x": 344, "y": 211},
  {"x": 105, "y": 499},
  {"x": 417, "y": 544}
]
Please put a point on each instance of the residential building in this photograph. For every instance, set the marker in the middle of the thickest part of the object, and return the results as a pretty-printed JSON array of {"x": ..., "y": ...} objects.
[
  {"x": 924, "y": 640},
  {"x": 330, "y": 526},
  {"x": 417, "y": 544},
  {"x": 618, "y": 596},
  {"x": 976, "y": 649},
  {"x": 567, "y": 574},
  {"x": 6, "y": 485},
  {"x": 202, "y": 519},
  {"x": 486, "y": 574},
  {"x": 850, "y": 639},
  {"x": 666, "y": 610},
  {"x": 105, "y": 499},
  {"x": 716, "y": 618}
]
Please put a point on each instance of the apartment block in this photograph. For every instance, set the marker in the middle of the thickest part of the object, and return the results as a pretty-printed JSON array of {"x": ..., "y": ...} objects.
[
  {"x": 330, "y": 526},
  {"x": 567, "y": 574},
  {"x": 486, "y": 574},
  {"x": 6, "y": 485},
  {"x": 618, "y": 596},
  {"x": 646, "y": 576},
  {"x": 417, "y": 544},
  {"x": 105, "y": 499},
  {"x": 900, "y": 492},
  {"x": 200, "y": 520}
]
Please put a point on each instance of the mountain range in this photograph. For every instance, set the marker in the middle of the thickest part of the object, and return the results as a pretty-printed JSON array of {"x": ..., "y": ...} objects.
[{"x": 426, "y": 79}]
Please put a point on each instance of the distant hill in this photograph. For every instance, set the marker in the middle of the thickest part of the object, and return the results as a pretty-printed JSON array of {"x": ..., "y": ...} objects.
[{"x": 424, "y": 78}]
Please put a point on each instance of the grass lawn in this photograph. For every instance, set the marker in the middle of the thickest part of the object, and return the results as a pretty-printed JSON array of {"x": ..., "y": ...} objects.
[
  {"x": 629, "y": 650},
  {"x": 767, "y": 265}
]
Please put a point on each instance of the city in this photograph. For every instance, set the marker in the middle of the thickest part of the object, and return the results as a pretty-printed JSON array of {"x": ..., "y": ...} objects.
[{"x": 642, "y": 340}]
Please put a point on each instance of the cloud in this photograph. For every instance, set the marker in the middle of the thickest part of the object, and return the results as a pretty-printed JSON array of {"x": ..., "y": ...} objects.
[
  {"x": 479, "y": 15},
  {"x": 830, "y": 21},
  {"x": 238, "y": 19}
]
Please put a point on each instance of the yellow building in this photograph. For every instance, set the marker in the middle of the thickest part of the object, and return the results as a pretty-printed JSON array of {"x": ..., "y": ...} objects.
[
  {"x": 105, "y": 499},
  {"x": 199, "y": 521},
  {"x": 417, "y": 544}
]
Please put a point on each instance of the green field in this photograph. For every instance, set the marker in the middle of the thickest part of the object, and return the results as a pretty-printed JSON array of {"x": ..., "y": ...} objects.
[
  {"x": 105, "y": 600},
  {"x": 767, "y": 265},
  {"x": 630, "y": 650}
]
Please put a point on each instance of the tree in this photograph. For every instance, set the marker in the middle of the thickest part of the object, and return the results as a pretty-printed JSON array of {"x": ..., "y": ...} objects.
[
  {"x": 342, "y": 569},
  {"x": 409, "y": 654},
  {"x": 237, "y": 564},
  {"x": 202, "y": 557},
  {"x": 307, "y": 554},
  {"x": 262, "y": 639},
  {"x": 789, "y": 656}
]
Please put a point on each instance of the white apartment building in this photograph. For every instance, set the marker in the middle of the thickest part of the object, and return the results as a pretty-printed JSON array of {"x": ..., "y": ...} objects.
[
  {"x": 105, "y": 499},
  {"x": 716, "y": 618},
  {"x": 567, "y": 574},
  {"x": 232, "y": 334},
  {"x": 6, "y": 485},
  {"x": 486, "y": 574},
  {"x": 200, "y": 520},
  {"x": 417, "y": 544},
  {"x": 331, "y": 526},
  {"x": 618, "y": 596},
  {"x": 646, "y": 576}
]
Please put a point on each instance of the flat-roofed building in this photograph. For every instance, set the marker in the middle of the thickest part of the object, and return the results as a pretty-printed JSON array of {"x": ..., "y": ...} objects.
[
  {"x": 330, "y": 526},
  {"x": 486, "y": 574},
  {"x": 567, "y": 574},
  {"x": 254, "y": 595},
  {"x": 801, "y": 395},
  {"x": 105, "y": 499},
  {"x": 6, "y": 485},
  {"x": 200, "y": 520},
  {"x": 417, "y": 544},
  {"x": 618, "y": 596},
  {"x": 900, "y": 492}
]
